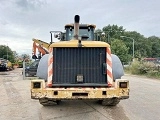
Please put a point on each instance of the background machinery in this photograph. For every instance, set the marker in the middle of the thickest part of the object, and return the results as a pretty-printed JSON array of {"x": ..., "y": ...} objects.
[
  {"x": 79, "y": 67},
  {"x": 41, "y": 46},
  {"x": 5, "y": 65}
]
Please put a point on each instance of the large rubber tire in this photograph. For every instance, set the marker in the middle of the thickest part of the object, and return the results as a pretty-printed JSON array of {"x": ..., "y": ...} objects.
[
  {"x": 110, "y": 102},
  {"x": 46, "y": 102}
]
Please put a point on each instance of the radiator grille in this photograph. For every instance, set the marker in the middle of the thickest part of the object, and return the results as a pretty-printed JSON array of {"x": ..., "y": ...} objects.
[{"x": 70, "y": 62}]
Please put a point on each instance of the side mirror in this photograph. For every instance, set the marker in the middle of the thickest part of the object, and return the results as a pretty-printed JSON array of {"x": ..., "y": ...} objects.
[
  {"x": 59, "y": 35},
  {"x": 56, "y": 35}
]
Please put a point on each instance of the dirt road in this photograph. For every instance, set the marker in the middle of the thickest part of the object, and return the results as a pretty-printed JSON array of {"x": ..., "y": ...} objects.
[{"x": 143, "y": 104}]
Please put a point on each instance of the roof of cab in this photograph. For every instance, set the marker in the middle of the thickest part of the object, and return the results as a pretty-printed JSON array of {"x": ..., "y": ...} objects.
[{"x": 81, "y": 25}]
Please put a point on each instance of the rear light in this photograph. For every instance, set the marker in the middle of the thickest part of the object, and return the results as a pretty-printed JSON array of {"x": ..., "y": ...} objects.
[
  {"x": 36, "y": 84},
  {"x": 123, "y": 85}
]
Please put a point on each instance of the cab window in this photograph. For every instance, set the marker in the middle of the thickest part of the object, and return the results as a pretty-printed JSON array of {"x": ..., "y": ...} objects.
[{"x": 87, "y": 32}]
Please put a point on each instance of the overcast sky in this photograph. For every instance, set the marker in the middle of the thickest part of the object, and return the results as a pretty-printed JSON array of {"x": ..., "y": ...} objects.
[{"x": 22, "y": 20}]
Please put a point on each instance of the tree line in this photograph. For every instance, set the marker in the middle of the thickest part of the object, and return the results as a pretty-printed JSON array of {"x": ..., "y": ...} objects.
[
  {"x": 121, "y": 42},
  {"x": 121, "y": 46},
  {"x": 12, "y": 56}
]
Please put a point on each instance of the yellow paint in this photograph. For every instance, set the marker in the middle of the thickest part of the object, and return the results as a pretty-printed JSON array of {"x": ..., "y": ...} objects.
[
  {"x": 96, "y": 93},
  {"x": 9, "y": 64},
  {"x": 42, "y": 43},
  {"x": 74, "y": 43}
]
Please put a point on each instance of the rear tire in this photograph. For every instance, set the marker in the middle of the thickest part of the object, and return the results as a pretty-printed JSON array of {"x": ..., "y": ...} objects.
[
  {"x": 110, "y": 102},
  {"x": 47, "y": 102}
]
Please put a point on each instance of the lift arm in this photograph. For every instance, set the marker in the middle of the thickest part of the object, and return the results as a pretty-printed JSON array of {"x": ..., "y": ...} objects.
[
  {"x": 42, "y": 43},
  {"x": 43, "y": 48}
]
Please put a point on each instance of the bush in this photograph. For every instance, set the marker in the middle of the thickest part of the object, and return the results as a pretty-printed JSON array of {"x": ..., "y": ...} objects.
[
  {"x": 134, "y": 67},
  {"x": 144, "y": 68}
]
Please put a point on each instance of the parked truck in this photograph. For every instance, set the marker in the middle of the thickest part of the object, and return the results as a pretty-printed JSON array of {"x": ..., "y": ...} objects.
[{"x": 79, "y": 67}]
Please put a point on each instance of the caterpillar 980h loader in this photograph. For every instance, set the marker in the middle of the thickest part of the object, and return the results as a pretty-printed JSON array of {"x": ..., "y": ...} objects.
[{"x": 79, "y": 67}]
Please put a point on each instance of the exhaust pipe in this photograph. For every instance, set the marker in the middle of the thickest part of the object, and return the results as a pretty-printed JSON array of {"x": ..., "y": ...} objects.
[{"x": 76, "y": 26}]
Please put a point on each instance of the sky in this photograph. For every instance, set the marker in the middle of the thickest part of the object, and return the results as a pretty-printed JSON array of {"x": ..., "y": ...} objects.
[{"x": 22, "y": 20}]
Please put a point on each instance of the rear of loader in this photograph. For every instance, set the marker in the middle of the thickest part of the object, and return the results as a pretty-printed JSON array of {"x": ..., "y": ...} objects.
[{"x": 80, "y": 68}]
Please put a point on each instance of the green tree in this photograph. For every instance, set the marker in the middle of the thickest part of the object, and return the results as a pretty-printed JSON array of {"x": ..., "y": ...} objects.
[
  {"x": 119, "y": 48},
  {"x": 155, "y": 45},
  {"x": 142, "y": 46},
  {"x": 6, "y": 53},
  {"x": 113, "y": 32}
]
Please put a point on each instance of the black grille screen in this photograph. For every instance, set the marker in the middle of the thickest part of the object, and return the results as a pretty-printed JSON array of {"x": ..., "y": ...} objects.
[{"x": 70, "y": 62}]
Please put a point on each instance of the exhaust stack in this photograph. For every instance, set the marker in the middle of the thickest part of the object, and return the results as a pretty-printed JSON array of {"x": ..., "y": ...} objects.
[{"x": 76, "y": 26}]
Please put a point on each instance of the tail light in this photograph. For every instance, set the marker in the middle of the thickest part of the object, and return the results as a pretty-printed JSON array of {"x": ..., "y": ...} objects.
[
  {"x": 123, "y": 85},
  {"x": 36, "y": 84}
]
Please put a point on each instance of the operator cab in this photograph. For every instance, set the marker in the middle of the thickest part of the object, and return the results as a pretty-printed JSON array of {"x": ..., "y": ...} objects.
[{"x": 86, "y": 32}]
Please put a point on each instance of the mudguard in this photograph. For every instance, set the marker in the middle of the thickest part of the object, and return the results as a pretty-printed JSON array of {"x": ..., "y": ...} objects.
[
  {"x": 42, "y": 71},
  {"x": 117, "y": 67}
]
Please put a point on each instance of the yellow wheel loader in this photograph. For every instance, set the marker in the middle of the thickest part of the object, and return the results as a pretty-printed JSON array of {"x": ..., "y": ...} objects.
[{"x": 79, "y": 67}]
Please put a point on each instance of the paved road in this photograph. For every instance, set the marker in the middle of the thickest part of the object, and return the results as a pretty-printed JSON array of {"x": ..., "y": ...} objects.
[
  {"x": 144, "y": 101},
  {"x": 143, "y": 104}
]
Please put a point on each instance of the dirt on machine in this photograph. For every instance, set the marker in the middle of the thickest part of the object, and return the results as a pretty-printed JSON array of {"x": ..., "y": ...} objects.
[{"x": 79, "y": 66}]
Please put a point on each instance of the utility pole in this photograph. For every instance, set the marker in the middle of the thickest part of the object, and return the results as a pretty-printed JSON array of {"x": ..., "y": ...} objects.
[{"x": 7, "y": 51}]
